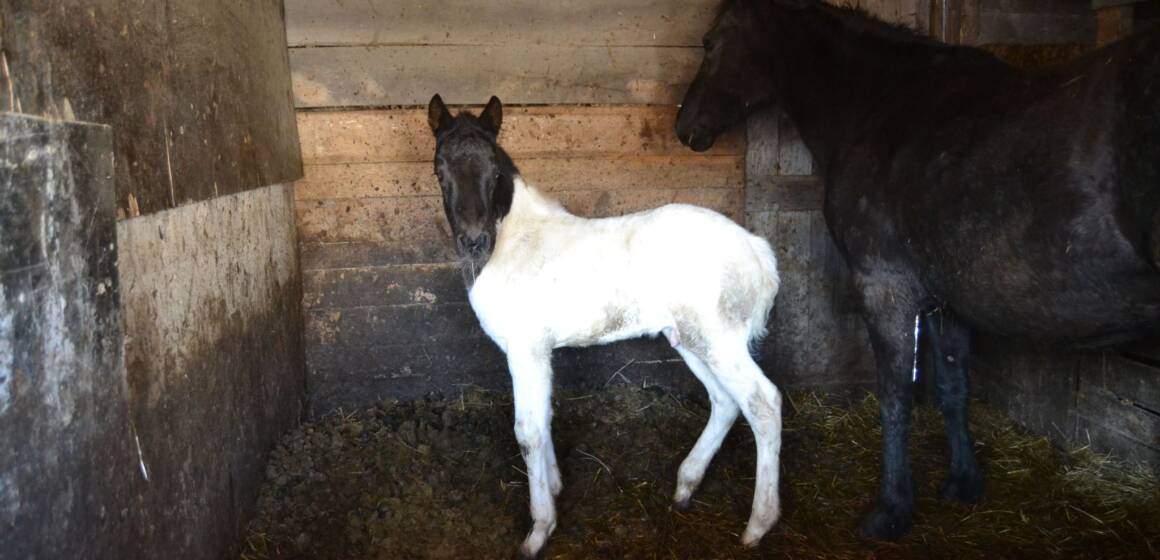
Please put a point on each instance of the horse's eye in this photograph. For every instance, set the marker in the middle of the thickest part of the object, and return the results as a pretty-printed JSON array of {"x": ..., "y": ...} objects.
[{"x": 498, "y": 175}]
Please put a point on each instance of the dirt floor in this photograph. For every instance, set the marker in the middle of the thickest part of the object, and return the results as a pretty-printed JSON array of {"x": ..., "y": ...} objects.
[{"x": 443, "y": 478}]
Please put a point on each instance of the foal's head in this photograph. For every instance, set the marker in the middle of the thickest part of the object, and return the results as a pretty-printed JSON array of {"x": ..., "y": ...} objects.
[
  {"x": 732, "y": 81},
  {"x": 476, "y": 177}
]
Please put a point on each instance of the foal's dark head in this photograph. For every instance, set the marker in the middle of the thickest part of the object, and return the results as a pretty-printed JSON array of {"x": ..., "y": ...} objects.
[
  {"x": 476, "y": 177},
  {"x": 732, "y": 81}
]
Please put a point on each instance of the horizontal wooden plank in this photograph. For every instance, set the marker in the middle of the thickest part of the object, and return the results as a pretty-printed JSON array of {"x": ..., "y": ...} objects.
[
  {"x": 1146, "y": 350},
  {"x": 386, "y": 360},
  {"x": 391, "y": 324},
  {"x": 785, "y": 193},
  {"x": 528, "y": 132},
  {"x": 1129, "y": 380},
  {"x": 517, "y": 22},
  {"x": 350, "y": 377},
  {"x": 356, "y": 254},
  {"x": 1129, "y": 430},
  {"x": 383, "y": 285},
  {"x": 420, "y": 220},
  {"x": 1036, "y": 28},
  {"x": 362, "y": 180},
  {"x": 409, "y": 75}
]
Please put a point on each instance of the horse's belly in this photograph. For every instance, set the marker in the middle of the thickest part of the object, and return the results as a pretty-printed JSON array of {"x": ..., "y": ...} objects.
[{"x": 1083, "y": 305}]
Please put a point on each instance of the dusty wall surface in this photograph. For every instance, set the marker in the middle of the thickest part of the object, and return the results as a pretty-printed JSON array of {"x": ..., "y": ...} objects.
[
  {"x": 68, "y": 469},
  {"x": 211, "y": 298},
  {"x": 197, "y": 91}
]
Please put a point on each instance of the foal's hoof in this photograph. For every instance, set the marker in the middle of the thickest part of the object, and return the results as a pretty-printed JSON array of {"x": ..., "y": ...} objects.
[
  {"x": 523, "y": 554},
  {"x": 886, "y": 523},
  {"x": 683, "y": 505},
  {"x": 963, "y": 488}
]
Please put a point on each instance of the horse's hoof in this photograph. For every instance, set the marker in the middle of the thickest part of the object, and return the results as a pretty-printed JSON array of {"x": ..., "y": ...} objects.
[
  {"x": 683, "y": 505},
  {"x": 886, "y": 524},
  {"x": 963, "y": 488}
]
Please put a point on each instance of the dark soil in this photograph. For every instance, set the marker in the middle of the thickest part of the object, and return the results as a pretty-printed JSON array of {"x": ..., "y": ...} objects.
[{"x": 443, "y": 478}]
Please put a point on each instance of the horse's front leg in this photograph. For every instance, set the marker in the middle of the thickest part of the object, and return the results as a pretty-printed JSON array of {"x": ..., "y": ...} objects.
[
  {"x": 951, "y": 341},
  {"x": 531, "y": 372},
  {"x": 891, "y": 302}
]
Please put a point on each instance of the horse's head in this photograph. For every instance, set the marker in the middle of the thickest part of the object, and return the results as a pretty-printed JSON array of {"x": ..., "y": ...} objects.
[
  {"x": 732, "y": 81},
  {"x": 475, "y": 174}
]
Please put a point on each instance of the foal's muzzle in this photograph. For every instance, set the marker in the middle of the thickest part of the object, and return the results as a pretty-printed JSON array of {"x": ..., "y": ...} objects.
[{"x": 473, "y": 245}]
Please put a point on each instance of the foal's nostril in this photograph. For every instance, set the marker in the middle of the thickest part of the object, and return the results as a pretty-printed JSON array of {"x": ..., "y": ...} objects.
[{"x": 474, "y": 246}]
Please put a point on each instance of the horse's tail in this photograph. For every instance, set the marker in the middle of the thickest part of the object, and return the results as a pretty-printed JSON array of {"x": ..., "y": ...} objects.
[{"x": 770, "y": 282}]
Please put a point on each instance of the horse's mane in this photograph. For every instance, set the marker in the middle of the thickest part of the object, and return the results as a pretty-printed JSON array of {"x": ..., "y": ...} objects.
[{"x": 869, "y": 31}]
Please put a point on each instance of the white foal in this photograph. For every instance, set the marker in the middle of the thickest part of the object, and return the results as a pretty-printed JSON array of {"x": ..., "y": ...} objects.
[{"x": 541, "y": 278}]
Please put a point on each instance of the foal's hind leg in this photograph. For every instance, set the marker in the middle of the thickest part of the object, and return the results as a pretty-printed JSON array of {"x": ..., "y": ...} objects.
[
  {"x": 721, "y": 417},
  {"x": 760, "y": 402},
  {"x": 951, "y": 340}
]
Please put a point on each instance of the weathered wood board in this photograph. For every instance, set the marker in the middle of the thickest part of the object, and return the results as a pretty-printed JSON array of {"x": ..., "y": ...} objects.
[
  {"x": 664, "y": 23},
  {"x": 528, "y": 132},
  {"x": 409, "y": 75},
  {"x": 198, "y": 93},
  {"x": 1102, "y": 399},
  {"x": 1035, "y": 22},
  {"x": 816, "y": 335},
  {"x": 386, "y": 314}
]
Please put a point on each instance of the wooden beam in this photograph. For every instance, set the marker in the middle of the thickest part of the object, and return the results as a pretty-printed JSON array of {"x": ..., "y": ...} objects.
[
  {"x": 408, "y": 75},
  {"x": 528, "y": 132},
  {"x": 531, "y": 23}
]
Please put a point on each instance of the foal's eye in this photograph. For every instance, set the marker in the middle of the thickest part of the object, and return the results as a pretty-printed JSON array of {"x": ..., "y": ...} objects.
[{"x": 498, "y": 175}]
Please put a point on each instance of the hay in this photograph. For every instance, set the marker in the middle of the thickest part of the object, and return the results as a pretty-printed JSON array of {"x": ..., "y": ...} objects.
[{"x": 442, "y": 478}]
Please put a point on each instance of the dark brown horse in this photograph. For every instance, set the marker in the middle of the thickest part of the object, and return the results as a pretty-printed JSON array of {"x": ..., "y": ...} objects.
[{"x": 1024, "y": 204}]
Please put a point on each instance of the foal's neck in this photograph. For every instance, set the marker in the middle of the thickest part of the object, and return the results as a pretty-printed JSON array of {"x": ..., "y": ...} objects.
[{"x": 833, "y": 66}]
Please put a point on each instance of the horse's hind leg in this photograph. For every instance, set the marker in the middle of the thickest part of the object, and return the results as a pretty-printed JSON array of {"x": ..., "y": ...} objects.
[
  {"x": 760, "y": 402},
  {"x": 891, "y": 302},
  {"x": 721, "y": 417},
  {"x": 951, "y": 340}
]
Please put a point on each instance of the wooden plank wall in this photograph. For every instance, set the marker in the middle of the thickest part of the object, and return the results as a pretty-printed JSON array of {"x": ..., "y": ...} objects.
[
  {"x": 386, "y": 312},
  {"x": 590, "y": 93}
]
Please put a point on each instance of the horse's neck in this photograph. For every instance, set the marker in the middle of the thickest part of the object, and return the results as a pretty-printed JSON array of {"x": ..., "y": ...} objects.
[
  {"x": 529, "y": 203},
  {"x": 832, "y": 69}
]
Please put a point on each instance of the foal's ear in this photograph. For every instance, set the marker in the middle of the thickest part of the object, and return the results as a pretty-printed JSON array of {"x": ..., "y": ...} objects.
[
  {"x": 492, "y": 115},
  {"x": 438, "y": 116}
]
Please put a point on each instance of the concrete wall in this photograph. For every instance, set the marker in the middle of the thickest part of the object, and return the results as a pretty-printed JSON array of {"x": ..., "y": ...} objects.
[
  {"x": 69, "y": 478},
  {"x": 211, "y": 302},
  {"x": 140, "y": 430}
]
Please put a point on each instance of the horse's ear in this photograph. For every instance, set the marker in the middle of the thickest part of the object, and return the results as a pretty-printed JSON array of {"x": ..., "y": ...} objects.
[
  {"x": 438, "y": 116},
  {"x": 492, "y": 115}
]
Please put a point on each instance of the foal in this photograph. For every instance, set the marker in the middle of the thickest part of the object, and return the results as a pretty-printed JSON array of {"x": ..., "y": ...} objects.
[{"x": 540, "y": 278}]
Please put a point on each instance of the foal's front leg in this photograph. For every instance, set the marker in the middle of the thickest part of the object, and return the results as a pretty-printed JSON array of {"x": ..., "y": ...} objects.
[{"x": 531, "y": 372}]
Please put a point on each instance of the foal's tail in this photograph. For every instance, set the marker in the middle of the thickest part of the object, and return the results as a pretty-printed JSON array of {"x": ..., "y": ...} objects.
[{"x": 767, "y": 289}]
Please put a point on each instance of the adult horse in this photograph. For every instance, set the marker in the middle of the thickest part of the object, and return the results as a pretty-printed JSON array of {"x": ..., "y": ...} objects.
[{"x": 1024, "y": 204}]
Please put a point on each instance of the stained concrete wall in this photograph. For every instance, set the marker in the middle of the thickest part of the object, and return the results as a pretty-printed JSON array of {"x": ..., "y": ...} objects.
[
  {"x": 211, "y": 302},
  {"x": 146, "y": 366},
  {"x": 69, "y": 475}
]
